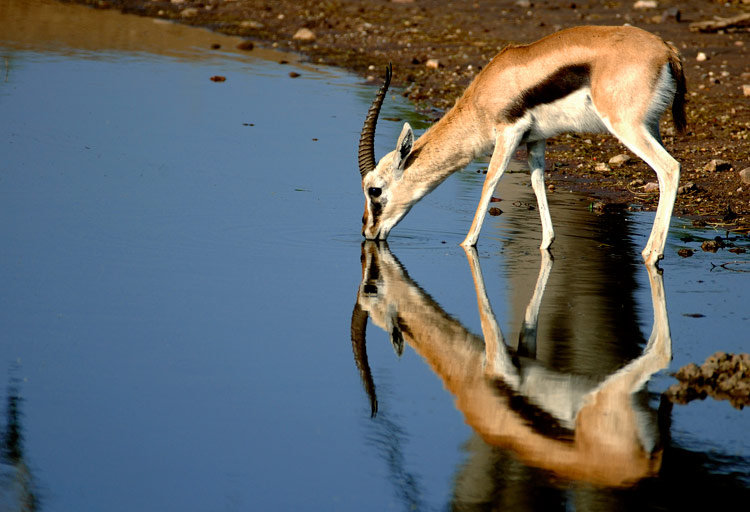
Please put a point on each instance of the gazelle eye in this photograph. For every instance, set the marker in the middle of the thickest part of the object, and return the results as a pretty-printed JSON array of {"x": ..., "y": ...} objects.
[{"x": 374, "y": 191}]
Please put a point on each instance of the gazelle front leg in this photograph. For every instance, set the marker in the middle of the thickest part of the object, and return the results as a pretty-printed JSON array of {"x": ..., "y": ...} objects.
[
  {"x": 498, "y": 363},
  {"x": 506, "y": 142},
  {"x": 536, "y": 158}
]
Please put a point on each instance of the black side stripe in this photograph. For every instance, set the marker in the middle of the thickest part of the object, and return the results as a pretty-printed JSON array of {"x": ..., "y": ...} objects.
[{"x": 563, "y": 82}]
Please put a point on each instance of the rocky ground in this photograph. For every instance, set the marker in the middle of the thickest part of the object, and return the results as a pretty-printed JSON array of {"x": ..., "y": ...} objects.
[
  {"x": 723, "y": 376},
  {"x": 437, "y": 47}
]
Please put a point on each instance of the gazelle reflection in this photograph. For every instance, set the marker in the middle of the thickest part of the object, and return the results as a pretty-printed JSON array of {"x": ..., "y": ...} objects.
[{"x": 578, "y": 427}]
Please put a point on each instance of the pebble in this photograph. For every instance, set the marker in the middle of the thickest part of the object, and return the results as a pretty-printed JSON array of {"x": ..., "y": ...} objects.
[
  {"x": 701, "y": 57},
  {"x": 305, "y": 35},
  {"x": 685, "y": 253},
  {"x": 619, "y": 160},
  {"x": 188, "y": 12},
  {"x": 672, "y": 13},
  {"x": 602, "y": 167},
  {"x": 251, "y": 24},
  {"x": 651, "y": 187},
  {"x": 495, "y": 211},
  {"x": 645, "y": 4},
  {"x": 744, "y": 175},
  {"x": 717, "y": 165},
  {"x": 686, "y": 188},
  {"x": 745, "y": 90},
  {"x": 432, "y": 63}
]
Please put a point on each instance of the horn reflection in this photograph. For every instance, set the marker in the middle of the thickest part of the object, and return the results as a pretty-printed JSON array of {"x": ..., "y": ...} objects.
[{"x": 577, "y": 426}]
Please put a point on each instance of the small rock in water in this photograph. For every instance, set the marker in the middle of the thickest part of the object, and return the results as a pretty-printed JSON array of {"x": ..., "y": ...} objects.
[
  {"x": 245, "y": 45},
  {"x": 685, "y": 253},
  {"x": 293, "y": 74},
  {"x": 711, "y": 245},
  {"x": 495, "y": 211},
  {"x": 218, "y": 78}
]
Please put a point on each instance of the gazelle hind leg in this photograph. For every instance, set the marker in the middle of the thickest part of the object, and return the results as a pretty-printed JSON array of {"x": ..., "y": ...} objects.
[
  {"x": 645, "y": 142},
  {"x": 536, "y": 158}
]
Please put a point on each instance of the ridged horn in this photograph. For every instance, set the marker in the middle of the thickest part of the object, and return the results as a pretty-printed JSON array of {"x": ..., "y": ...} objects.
[
  {"x": 366, "y": 158},
  {"x": 358, "y": 337}
]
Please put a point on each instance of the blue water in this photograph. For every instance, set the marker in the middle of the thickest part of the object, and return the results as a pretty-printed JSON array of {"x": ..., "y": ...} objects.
[{"x": 180, "y": 262}]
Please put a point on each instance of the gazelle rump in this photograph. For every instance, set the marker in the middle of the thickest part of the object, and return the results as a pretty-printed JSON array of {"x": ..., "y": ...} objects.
[{"x": 584, "y": 79}]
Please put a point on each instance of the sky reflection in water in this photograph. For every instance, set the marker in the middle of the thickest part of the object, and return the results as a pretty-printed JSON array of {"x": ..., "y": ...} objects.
[{"x": 181, "y": 260}]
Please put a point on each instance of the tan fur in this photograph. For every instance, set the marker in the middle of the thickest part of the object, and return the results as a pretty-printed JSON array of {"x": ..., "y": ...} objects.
[
  {"x": 606, "y": 448},
  {"x": 624, "y": 66}
]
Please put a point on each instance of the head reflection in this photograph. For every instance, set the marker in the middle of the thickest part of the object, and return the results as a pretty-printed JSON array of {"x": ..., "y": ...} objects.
[{"x": 581, "y": 427}]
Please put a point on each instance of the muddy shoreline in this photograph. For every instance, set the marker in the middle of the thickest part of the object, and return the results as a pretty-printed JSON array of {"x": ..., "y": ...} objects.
[{"x": 437, "y": 48}]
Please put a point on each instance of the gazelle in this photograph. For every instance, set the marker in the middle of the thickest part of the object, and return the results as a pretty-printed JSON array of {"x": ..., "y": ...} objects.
[
  {"x": 578, "y": 426},
  {"x": 584, "y": 79}
]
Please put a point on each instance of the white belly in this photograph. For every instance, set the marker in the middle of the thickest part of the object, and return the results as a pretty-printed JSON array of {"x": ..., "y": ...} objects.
[{"x": 572, "y": 113}]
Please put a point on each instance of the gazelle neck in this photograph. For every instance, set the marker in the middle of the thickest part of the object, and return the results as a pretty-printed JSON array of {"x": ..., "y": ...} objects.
[{"x": 447, "y": 146}]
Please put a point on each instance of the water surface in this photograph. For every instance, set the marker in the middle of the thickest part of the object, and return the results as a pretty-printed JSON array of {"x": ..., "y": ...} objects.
[{"x": 182, "y": 259}]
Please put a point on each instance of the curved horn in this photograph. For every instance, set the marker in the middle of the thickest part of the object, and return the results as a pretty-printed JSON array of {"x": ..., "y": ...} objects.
[
  {"x": 358, "y": 337},
  {"x": 366, "y": 158}
]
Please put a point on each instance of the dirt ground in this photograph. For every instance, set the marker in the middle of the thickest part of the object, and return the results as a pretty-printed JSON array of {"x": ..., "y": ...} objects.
[{"x": 462, "y": 36}]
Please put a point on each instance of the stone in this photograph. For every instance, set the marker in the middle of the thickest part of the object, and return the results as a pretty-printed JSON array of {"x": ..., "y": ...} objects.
[
  {"x": 701, "y": 57},
  {"x": 717, "y": 165},
  {"x": 189, "y": 12},
  {"x": 619, "y": 160},
  {"x": 645, "y": 4},
  {"x": 251, "y": 24},
  {"x": 602, "y": 167},
  {"x": 651, "y": 187},
  {"x": 432, "y": 64},
  {"x": 672, "y": 13},
  {"x": 304, "y": 35},
  {"x": 744, "y": 175},
  {"x": 687, "y": 187}
]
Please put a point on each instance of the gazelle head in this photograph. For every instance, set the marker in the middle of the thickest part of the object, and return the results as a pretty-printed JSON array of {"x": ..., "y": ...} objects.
[{"x": 387, "y": 199}]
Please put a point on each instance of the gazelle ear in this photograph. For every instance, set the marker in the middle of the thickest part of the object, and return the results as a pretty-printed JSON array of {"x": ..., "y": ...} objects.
[{"x": 404, "y": 147}]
